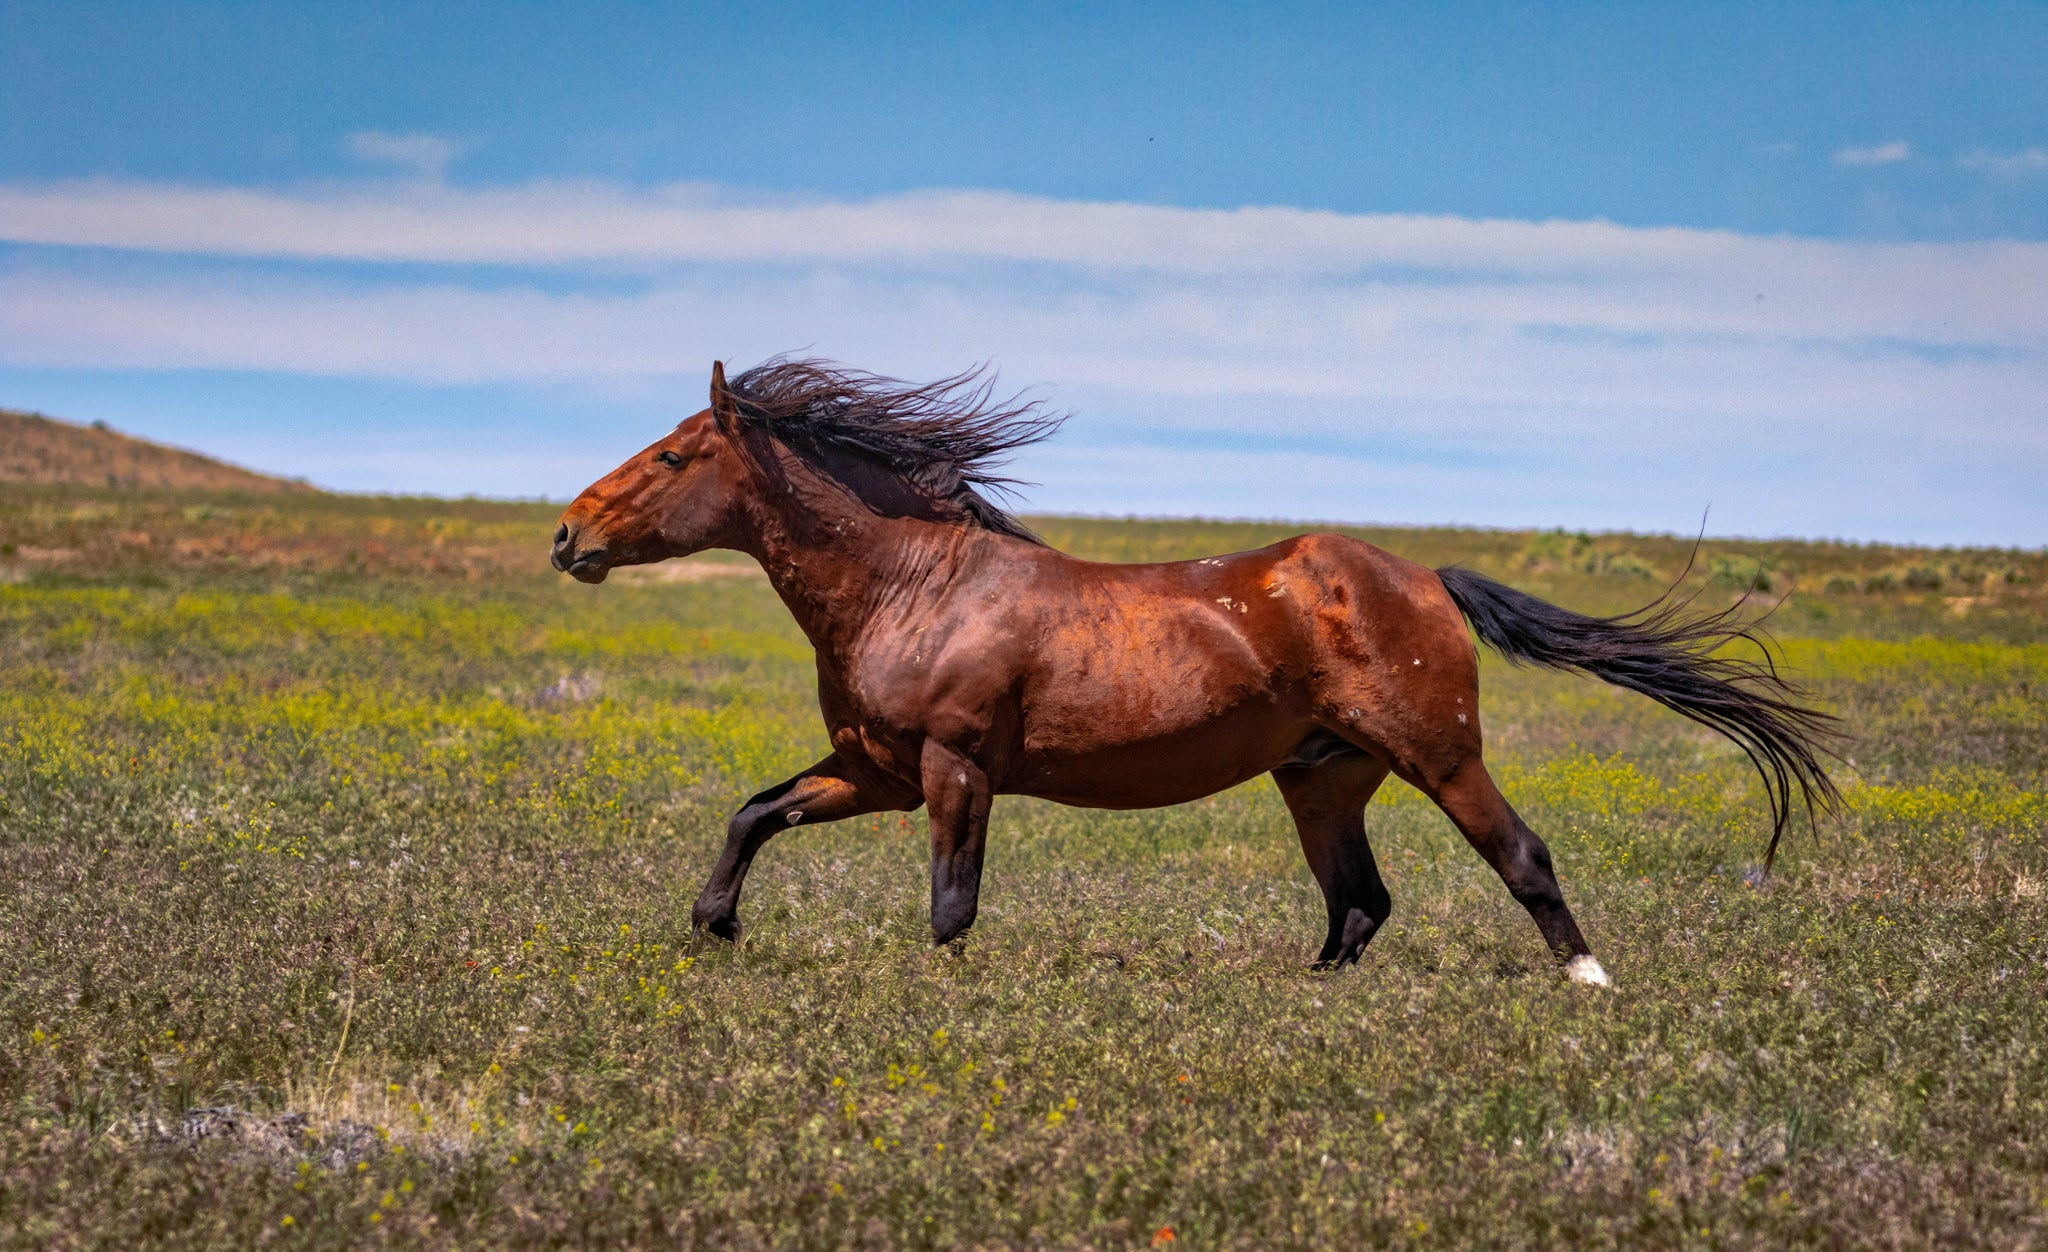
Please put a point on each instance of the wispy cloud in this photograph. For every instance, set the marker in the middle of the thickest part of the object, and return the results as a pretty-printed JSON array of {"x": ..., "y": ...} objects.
[
  {"x": 557, "y": 224},
  {"x": 1446, "y": 270},
  {"x": 569, "y": 224},
  {"x": 1513, "y": 348},
  {"x": 1648, "y": 347},
  {"x": 1630, "y": 280},
  {"x": 2026, "y": 161},
  {"x": 428, "y": 156},
  {"x": 1879, "y": 154}
]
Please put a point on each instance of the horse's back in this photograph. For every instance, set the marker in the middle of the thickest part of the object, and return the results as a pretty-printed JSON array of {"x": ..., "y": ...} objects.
[
  {"x": 1153, "y": 683},
  {"x": 1263, "y": 607}
]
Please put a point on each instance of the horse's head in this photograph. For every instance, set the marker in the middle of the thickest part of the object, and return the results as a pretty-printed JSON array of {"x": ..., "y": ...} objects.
[{"x": 677, "y": 496}]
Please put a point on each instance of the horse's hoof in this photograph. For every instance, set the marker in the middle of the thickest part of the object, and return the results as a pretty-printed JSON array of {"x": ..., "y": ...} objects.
[
  {"x": 1586, "y": 972},
  {"x": 726, "y": 928},
  {"x": 950, "y": 926}
]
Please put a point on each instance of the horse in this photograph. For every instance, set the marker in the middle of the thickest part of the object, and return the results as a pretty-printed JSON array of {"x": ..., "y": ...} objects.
[{"x": 960, "y": 658}]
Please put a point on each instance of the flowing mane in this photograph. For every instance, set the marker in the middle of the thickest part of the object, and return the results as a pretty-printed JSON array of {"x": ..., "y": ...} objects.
[{"x": 943, "y": 439}]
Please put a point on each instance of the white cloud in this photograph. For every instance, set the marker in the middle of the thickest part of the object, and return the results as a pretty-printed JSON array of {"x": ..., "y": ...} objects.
[
  {"x": 1662, "y": 280},
  {"x": 1155, "y": 300},
  {"x": 1612, "y": 358},
  {"x": 570, "y": 223},
  {"x": 1500, "y": 358},
  {"x": 2026, "y": 161},
  {"x": 425, "y": 155},
  {"x": 1880, "y": 154},
  {"x": 561, "y": 224}
]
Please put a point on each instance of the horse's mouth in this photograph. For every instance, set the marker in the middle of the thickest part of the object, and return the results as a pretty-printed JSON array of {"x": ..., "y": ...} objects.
[{"x": 586, "y": 567}]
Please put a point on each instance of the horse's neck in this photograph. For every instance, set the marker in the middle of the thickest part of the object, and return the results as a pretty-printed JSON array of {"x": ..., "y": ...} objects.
[{"x": 834, "y": 563}]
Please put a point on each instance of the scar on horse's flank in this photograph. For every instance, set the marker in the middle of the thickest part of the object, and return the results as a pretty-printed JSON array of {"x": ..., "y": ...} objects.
[{"x": 854, "y": 491}]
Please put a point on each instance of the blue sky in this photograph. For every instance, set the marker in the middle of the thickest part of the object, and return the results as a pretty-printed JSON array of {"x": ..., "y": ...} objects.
[{"x": 1486, "y": 264}]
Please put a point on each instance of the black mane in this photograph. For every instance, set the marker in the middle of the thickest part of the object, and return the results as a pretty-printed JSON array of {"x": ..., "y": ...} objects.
[{"x": 944, "y": 439}]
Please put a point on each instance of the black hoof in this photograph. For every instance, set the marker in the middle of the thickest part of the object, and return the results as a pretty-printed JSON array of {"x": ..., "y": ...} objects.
[
  {"x": 1346, "y": 943},
  {"x": 723, "y": 926},
  {"x": 950, "y": 920}
]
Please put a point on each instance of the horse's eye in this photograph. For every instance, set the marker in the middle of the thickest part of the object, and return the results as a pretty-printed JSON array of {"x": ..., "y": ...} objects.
[{"x": 668, "y": 458}]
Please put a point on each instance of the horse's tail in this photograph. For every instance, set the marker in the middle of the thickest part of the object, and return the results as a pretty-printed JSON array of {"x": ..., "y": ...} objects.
[{"x": 1668, "y": 654}]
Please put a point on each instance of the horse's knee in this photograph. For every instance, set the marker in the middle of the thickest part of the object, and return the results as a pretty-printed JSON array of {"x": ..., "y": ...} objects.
[
  {"x": 755, "y": 824},
  {"x": 740, "y": 826}
]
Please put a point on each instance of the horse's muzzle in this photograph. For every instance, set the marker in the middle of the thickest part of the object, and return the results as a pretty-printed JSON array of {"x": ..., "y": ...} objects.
[{"x": 589, "y": 565}]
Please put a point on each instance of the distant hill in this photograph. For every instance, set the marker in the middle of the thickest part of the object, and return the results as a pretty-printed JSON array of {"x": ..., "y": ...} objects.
[{"x": 38, "y": 449}]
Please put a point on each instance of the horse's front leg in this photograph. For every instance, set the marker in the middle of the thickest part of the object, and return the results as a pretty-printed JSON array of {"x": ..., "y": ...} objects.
[
  {"x": 835, "y": 788},
  {"x": 957, "y": 790}
]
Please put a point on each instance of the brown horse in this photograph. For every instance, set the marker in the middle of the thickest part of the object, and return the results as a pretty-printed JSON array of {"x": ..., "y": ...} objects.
[{"x": 960, "y": 658}]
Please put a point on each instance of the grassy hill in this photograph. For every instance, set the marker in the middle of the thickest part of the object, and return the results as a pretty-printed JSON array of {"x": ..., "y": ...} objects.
[{"x": 39, "y": 449}]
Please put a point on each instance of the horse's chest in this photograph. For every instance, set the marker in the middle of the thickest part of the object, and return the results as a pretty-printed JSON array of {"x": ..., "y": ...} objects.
[{"x": 924, "y": 692}]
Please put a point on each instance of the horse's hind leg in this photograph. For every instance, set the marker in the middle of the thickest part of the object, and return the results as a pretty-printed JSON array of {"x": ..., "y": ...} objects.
[
  {"x": 1491, "y": 825},
  {"x": 1328, "y": 802}
]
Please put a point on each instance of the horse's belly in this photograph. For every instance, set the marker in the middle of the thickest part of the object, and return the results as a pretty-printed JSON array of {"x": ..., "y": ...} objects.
[{"x": 1149, "y": 764}]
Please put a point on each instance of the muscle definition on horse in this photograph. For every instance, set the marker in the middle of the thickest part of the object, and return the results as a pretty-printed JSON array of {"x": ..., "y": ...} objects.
[{"x": 960, "y": 658}]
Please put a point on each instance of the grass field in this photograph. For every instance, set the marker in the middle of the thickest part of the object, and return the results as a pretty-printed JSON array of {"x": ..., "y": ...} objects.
[{"x": 348, "y": 856}]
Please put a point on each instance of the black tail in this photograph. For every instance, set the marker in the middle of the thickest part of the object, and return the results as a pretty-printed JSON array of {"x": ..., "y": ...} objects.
[{"x": 1667, "y": 654}]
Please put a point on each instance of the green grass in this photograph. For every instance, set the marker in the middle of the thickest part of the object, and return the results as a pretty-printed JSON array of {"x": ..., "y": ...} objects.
[{"x": 388, "y": 845}]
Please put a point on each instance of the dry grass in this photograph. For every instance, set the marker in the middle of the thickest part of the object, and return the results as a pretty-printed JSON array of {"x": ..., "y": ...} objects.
[{"x": 39, "y": 449}]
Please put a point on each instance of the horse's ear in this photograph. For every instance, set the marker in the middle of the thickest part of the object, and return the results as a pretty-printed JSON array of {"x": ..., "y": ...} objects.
[{"x": 723, "y": 410}]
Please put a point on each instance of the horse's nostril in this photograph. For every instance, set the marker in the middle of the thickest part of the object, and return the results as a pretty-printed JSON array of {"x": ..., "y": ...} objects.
[{"x": 561, "y": 534}]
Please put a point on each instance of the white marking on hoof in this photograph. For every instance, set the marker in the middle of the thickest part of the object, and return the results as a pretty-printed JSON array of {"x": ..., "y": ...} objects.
[
  {"x": 795, "y": 816},
  {"x": 1586, "y": 972}
]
